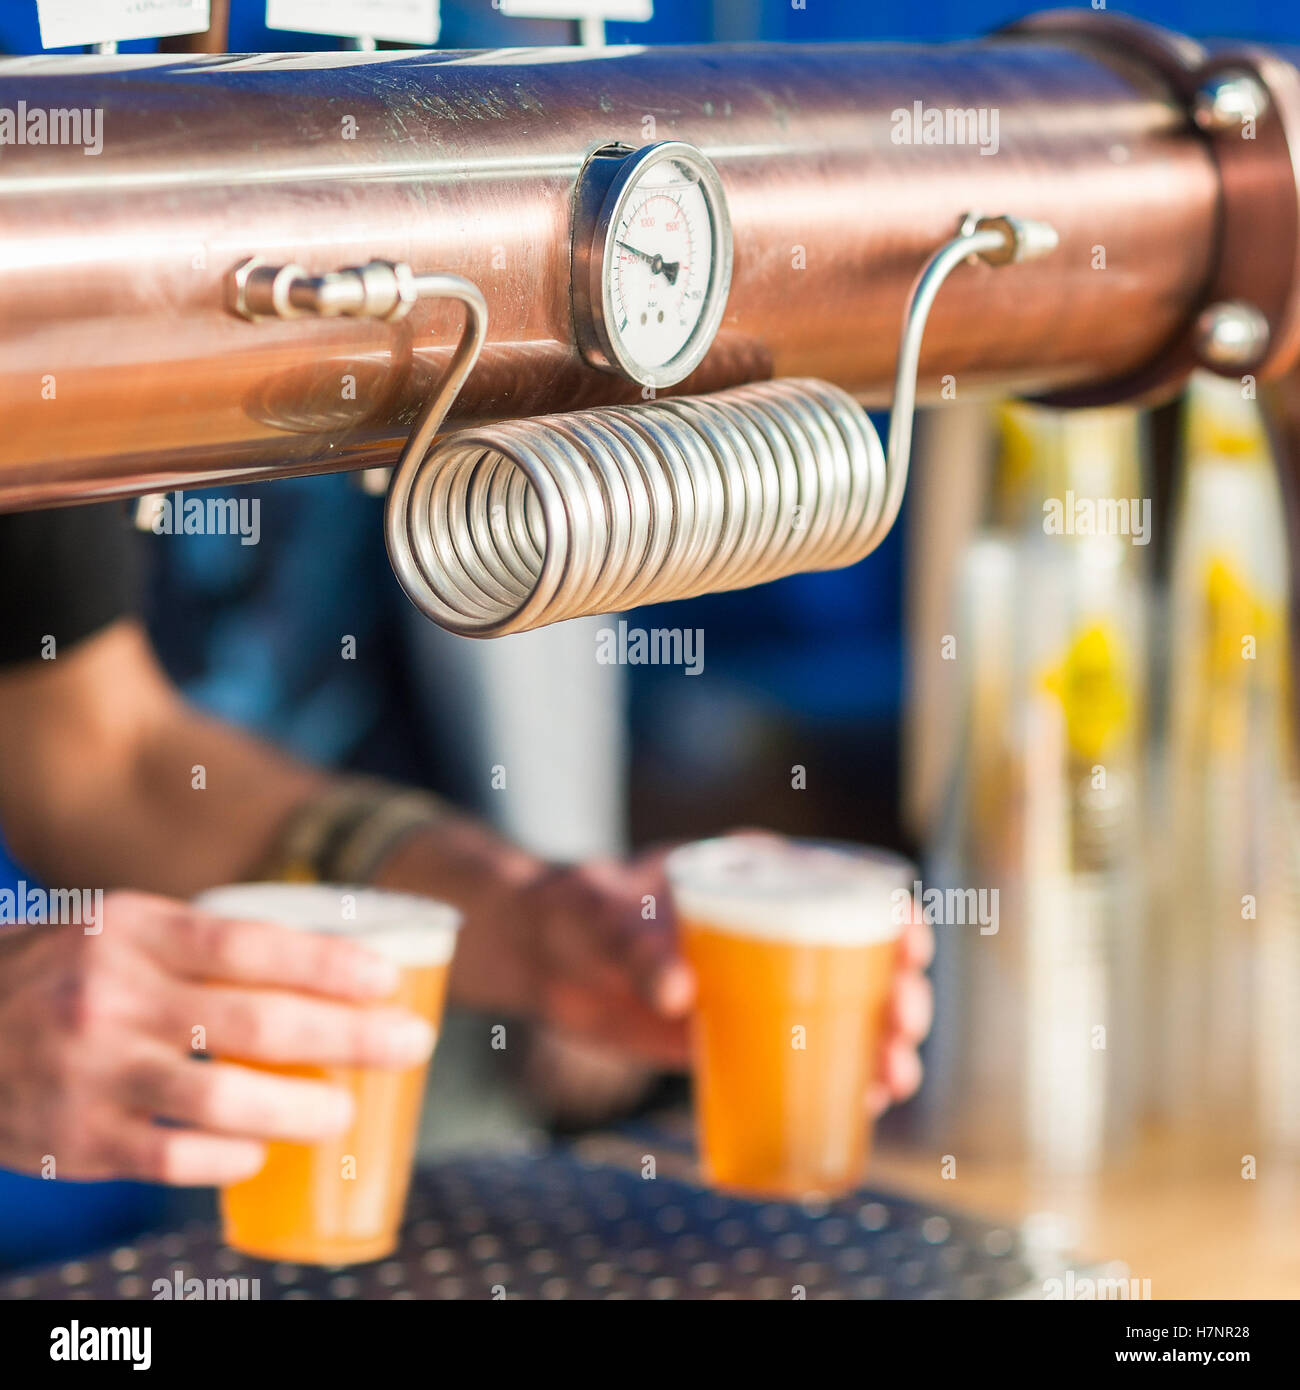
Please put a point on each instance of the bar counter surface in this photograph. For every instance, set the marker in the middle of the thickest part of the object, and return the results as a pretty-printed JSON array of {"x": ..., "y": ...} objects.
[
  {"x": 1176, "y": 1211},
  {"x": 582, "y": 1221}
]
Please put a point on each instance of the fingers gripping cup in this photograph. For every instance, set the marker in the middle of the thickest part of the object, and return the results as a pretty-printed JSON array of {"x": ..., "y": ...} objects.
[
  {"x": 340, "y": 1201},
  {"x": 793, "y": 945}
]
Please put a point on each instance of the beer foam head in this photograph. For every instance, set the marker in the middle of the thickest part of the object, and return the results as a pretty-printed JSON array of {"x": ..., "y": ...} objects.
[
  {"x": 791, "y": 890},
  {"x": 402, "y": 927}
]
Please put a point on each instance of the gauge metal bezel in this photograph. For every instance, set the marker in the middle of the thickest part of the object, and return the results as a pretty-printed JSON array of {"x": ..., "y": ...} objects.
[{"x": 607, "y": 180}]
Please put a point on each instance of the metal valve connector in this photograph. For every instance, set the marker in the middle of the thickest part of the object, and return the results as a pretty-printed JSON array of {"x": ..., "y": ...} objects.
[
  {"x": 1026, "y": 239},
  {"x": 383, "y": 290}
]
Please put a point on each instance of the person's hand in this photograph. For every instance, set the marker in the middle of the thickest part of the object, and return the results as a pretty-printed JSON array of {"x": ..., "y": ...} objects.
[
  {"x": 592, "y": 951},
  {"x": 100, "y": 1034},
  {"x": 589, "y": 949},
  {"x": 910, "y": 1011}
]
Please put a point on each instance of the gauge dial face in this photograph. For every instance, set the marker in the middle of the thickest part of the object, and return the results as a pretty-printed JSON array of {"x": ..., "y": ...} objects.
[{"x": 660, "y": 265}]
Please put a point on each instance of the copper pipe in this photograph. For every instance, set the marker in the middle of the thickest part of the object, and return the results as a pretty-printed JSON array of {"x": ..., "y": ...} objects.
[{"x": 112, "y": 267}]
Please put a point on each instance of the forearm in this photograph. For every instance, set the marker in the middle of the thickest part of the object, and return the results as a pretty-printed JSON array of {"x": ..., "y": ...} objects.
[
  {"x": 109, "y": 779},
  {"x": 202, "y": 805}
]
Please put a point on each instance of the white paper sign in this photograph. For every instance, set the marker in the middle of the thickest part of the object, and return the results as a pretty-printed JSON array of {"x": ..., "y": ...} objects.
[
  {"x": 397, "y": 21},
  {"x": 73, "y": 23},
  {"x": 637, "y": 10}
]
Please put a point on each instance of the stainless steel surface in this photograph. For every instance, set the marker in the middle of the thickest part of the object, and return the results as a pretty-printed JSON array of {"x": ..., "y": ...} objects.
[
  {"x": 996, "y": 241},
  {"x": 377, "y": 290},
  {"x": 513, "y": 526},
  {"x": 112, "y": 268},
  {"x": 518, "y": 525},
  {"x": 434, "y": 412}
]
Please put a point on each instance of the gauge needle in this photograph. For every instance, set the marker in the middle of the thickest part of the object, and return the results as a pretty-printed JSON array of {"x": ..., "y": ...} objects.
[{"x": 657, "y": 264}]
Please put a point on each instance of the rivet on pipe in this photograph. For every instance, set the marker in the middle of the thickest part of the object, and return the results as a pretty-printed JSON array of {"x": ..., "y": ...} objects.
[
  {"x": 1230, "y": 100},
  {"x": 1232, "y": 335}
]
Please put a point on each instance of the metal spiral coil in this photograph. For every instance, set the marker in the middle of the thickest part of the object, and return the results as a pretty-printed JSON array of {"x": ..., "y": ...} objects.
[
  {"x": 516, "y": 525},
  {"x": 530, "y": 522}
]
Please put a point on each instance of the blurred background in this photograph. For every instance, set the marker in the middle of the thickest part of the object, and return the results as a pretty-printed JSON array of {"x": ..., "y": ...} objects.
[{"x": 1060, "y": 685}]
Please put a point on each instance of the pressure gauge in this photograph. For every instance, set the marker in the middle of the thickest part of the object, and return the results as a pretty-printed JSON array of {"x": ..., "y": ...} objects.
[{"x": 651, "y": 260}]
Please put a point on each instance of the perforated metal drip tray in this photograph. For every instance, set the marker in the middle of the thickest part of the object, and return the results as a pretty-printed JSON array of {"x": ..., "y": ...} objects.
[{"x": 581, "y": 1222}]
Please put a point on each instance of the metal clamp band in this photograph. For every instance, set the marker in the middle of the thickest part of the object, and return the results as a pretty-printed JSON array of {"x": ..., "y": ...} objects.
[{"x": 1246, "y": 104}]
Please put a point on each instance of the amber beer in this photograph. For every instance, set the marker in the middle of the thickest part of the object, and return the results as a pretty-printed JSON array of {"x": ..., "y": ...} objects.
[
  {"x": 793, "y": 946},
  {"x": 340, "y": 1201}
]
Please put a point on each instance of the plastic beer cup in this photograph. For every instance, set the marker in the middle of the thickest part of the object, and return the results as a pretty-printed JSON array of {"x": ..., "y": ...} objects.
[
  {"x": 793, "y": 944},
  {"x": 340, "y": 1200}
]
